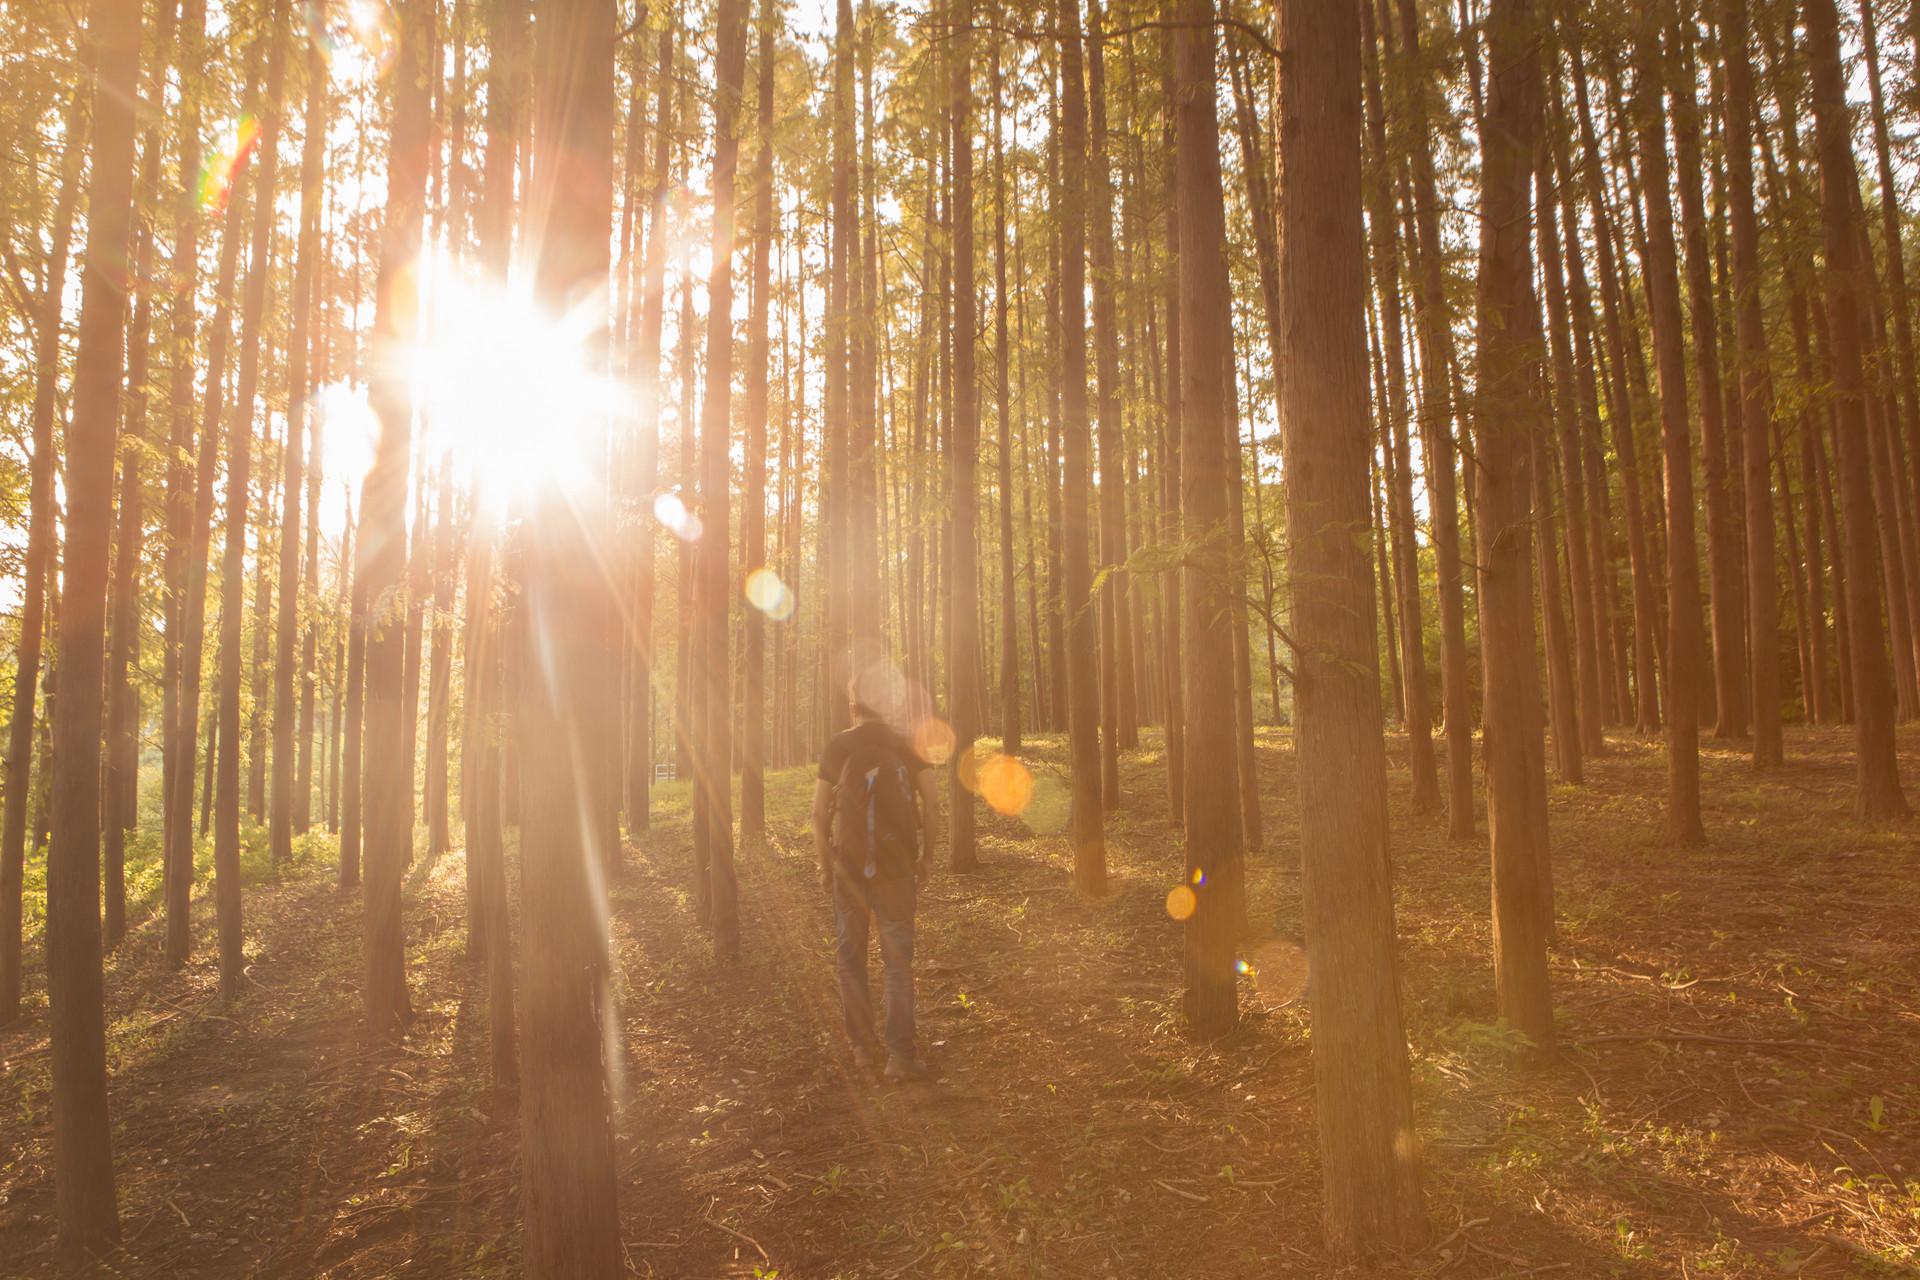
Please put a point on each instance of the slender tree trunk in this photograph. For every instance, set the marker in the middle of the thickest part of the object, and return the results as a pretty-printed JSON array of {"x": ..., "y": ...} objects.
[
  {"x": 713, "y": 667},
  {"x": 87, "y": 1219},
  {"x": 1877, "y": 771},
  {"x": 567, "y": 1161},
  {"x": 1393, "y": 410},
  {"x": 963, "y": 657},
  {"x": 1509, "y": 417},
  {"x": 1369, "y": 1171},
  {"x": 285, "y": 777},
  {"x": 1437, "y": 448},
  {"x": 253, "y": 313},
  {"x": 1646, "y": 698},
  {"x": 1726, "y": 585},
  {"x": 1756, "y": 393},
  {"x": 1683, "y": 569},
  {"x": 1010, "y": 710},
  {"x": 1082, "y": 673},
  {"x": 753, "y": 514},
  {"x": 382, "y": 546},
  {"x": 39, "y": 570},
  {"x": 1568, "y": 406},
  {"x": 120, "y": 787}
]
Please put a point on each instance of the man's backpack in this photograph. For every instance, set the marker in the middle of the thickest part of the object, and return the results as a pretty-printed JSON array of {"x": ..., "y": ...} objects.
[{"x": 876, "y": 828}]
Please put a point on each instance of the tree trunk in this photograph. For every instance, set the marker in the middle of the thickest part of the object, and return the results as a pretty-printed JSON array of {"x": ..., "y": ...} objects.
[
  {"x": 1393, "y": 411},
  {"x": 1876, "y": 768},
  {"x": 1683, "y": 568},
  {"x": 713, "y": 666},
  {"x": 285, "y": 777},
  {"x": 87, "y": 1219},
  {"x": 1082, "y": 671},
  {"x": 963, "y": 657},
  {"x": 233, "y": 581},
  {"x": 567, "y": 1162},
  {"x": 1369, "y": 1172},
  {"x": 382, "y": 547},
  {"x": 1437, "y": 449},
  {"x": 1509, "y": 417},
  {"x": 753, "y": 513},
  {"x": 39, "y": 562}
]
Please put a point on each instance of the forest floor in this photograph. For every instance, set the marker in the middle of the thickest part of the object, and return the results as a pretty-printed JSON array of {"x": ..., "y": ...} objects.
[{"x": 1737, "y": 1092}]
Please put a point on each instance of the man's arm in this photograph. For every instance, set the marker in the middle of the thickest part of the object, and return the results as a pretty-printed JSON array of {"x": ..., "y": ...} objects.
[
  {"x": 931, "y": 818},
  {"x": 823, "y": 829}
]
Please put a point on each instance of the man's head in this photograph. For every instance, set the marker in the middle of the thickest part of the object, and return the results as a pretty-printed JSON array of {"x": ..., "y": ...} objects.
[{"x": 860, "y": 707}]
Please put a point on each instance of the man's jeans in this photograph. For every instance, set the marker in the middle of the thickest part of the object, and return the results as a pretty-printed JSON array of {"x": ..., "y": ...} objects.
[{"x": 891, "y": 900}]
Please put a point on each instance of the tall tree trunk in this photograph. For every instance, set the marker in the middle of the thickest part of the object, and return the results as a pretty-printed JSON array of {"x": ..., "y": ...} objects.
[
  {"x": 1726, "y": 584},
  {"x": 1568, "y": 406},
  {"x": 39, "y": 562},
  {"x": 1437, "y": 448},
  {"x": 1082, "y": 673},
  {"x": 382, "y": 547},
  {"x": 193, "y": 628},
  {"x": 440, "y": 670},
  {"x": 1115, "y": 665},
  {"x": 1509, "y": 417},
  {"x": 87, "y": 1218},
  {"x": 1172, "y": 480},
  {"x": 653, "y": 268},
  {"x": 1010, "y": 710},
  {"x": 1683, "y": 568},
  {"x": 963, "y": 656},
  {"x": 233, "y": 581},
  {"x": 306, "y": 265},
  {"x": 1393, "y": 411},
  {"x": 1756, "y": 393},
  {"x": 120, "y": 803},
  {"x": 566, "y": 1114},
  {"x": 714, "y": 665},
  {"x": 1214, "y": 904},
  {"x": 1876, "y": 768},
  {"x": 1369, "y": 1172},
  {"x": 1645, "y": 610},
  {"x": 753, "y": 513}
]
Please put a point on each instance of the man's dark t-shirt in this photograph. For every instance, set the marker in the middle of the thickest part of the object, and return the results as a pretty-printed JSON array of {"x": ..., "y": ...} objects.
[
  {"x": 867, "y": 733},
  {"x": 865, "y": 737}
]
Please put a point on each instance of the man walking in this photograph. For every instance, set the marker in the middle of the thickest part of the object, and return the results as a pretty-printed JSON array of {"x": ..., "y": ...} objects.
[{"x": 873, "y": 801}]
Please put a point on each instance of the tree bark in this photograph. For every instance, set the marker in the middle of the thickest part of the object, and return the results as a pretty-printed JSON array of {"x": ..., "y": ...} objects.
[
  {"x": 1876, "y": 768},
  {"x": 233, "y": 581},
  {"x": 87, "y": 1218},
  {"x": 963, "y": 650},
  {"x": 39, "y": 562},
  {"x": 1369, "y": 1172},
  {"x": 1509, "y": 416},
  {"x": 1082, "y": 673},
  {"x": 1683, "y": 568}
]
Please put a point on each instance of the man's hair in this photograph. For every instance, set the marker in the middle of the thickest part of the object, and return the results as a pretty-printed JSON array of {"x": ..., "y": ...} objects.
[{"x": 861, "y": 709}]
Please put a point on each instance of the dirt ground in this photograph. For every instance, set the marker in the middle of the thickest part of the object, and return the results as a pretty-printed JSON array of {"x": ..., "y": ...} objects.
[{"x": 1737, "y": 1094}]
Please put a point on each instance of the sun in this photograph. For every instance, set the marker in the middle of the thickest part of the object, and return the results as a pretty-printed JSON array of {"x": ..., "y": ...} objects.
[{"x": 516, "y": 396}]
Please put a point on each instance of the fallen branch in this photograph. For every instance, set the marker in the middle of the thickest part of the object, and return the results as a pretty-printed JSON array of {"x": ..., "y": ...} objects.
[
  {"x": 1698, "y": 1038},
  {"x": 1185, "y": 1195}
]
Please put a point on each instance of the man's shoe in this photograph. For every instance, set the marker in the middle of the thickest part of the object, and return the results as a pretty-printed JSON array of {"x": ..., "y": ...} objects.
[
  {"x": 866, "y": 1057},
  {"x": 901, "y": 1070}
]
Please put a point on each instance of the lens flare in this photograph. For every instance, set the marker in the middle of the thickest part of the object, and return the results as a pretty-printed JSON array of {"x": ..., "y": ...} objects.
[
  {"x": 1049, "y": 808},
  {"x": 225, "y": 162},
  {"x": 1181, "y": 902},
  {"x": 1006, "y": 784},
  {"x": 671, "y": 511},
  {"x": 765, "y": 592},
  {"x": 933, "y": 739},
  {"x": 966, "y": 770}
]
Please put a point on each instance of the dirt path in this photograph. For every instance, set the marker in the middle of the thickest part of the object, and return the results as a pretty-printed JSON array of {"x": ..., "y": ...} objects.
[{"x": 1736, "y": 1096}]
